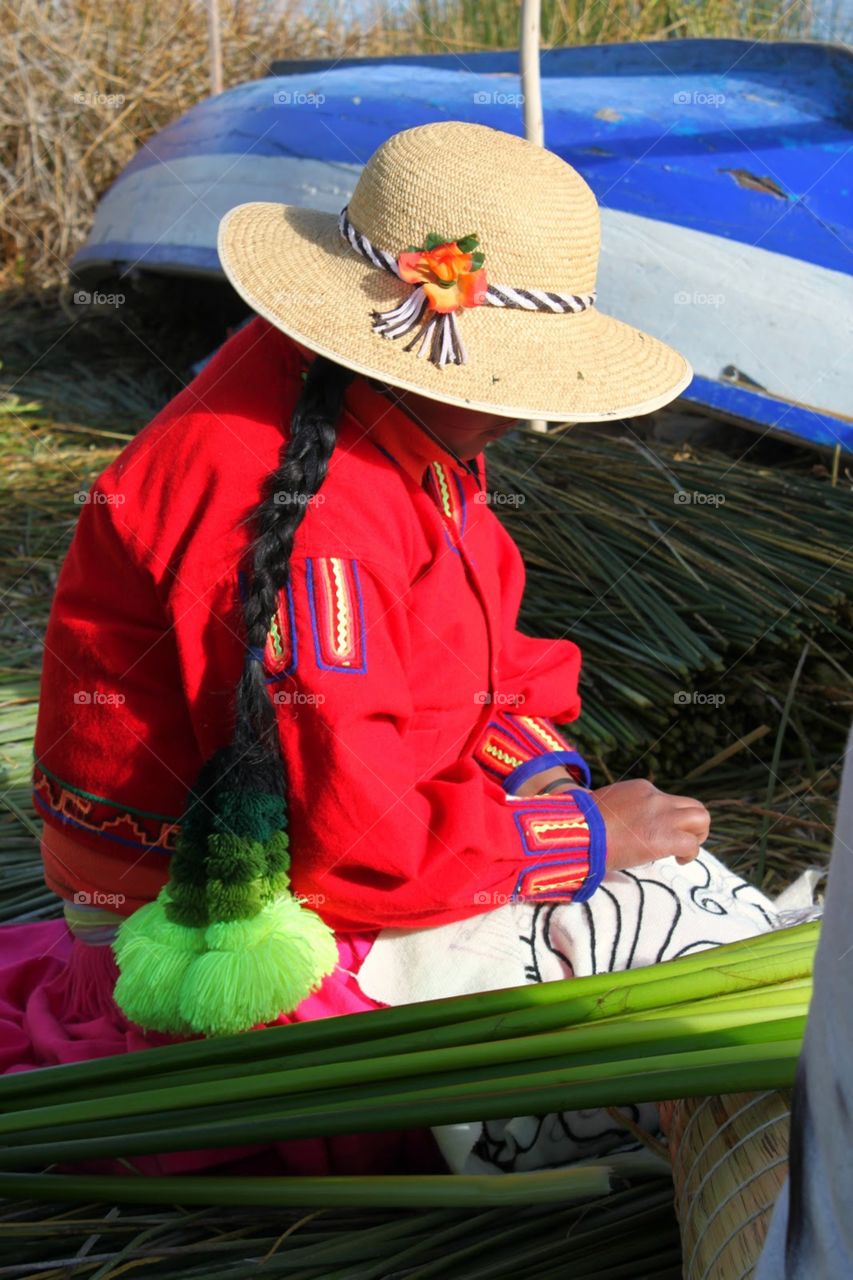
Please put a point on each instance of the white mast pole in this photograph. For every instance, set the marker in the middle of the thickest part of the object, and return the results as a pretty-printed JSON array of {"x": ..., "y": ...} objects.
[
  {"x": 214, "y": 46},
  {"x": 531, "y": 91}
]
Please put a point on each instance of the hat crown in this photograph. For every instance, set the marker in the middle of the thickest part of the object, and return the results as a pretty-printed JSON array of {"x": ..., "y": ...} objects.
[{"x": 536, "y": 218}]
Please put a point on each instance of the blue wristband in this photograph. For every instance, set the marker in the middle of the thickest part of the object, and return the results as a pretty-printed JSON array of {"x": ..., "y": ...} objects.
[{"x": 597, "y": 845}]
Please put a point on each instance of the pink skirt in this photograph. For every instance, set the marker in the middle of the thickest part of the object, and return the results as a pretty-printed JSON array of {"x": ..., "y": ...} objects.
[{"x": 56, "y": 1006}]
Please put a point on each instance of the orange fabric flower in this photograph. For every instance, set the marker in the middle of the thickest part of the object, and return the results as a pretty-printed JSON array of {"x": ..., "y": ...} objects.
[{"x": 451, "y": 273}]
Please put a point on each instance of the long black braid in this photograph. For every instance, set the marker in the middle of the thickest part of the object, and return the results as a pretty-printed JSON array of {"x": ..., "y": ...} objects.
[
  {"x": 286, "y": 494},
  {"x": 251, "y": 763}
]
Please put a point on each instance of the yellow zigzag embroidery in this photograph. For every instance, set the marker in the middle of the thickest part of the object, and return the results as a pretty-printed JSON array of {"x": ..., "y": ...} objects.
[
  {"x": 571, "y": 823},
  {"x": 444, "y": 489},
  {"x": 536, "y": 726},
  {"x": 501, "y": 755},
  {"x": 342, "y": 629}
]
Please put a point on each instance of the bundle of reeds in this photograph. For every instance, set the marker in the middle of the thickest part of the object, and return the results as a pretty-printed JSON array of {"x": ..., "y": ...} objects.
[
  {"x": 729, "y": 1018},
  {"x": 630, "y": 1234},
  {"x": 694, "y": 585}
]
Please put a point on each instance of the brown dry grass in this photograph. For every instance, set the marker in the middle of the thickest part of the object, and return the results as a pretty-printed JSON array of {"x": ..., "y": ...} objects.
[{"x": 87, "y": 83}]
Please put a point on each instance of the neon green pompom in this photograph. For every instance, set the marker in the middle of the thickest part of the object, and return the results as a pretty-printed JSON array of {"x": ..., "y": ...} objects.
[
  {"x": 255, "y": 969},
  {"x": 154, "y": 955},
  {"x": 224, "y": 978}
]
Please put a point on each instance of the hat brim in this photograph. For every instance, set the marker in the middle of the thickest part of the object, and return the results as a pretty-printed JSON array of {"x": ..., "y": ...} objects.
[{"x": 291, "y": 266}]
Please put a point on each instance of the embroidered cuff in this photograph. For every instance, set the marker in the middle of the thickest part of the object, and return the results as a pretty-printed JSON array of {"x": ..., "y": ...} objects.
[
  {"x": 511, "y": 740},
  {"x": 564, "y": 844}
]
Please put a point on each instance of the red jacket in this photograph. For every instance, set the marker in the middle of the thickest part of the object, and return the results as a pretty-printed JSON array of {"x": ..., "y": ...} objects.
[{"x": 409, "y": 704}]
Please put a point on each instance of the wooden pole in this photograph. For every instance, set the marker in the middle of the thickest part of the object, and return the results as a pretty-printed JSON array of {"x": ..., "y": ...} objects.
[
  {"x": 531, "y": 91},
  {"x": 534, "y": 129},
  {"x": 214, "y": 46}
]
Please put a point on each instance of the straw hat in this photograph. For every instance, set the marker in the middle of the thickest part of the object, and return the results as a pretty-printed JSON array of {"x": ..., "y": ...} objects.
[{"x": 505, "y": 321}]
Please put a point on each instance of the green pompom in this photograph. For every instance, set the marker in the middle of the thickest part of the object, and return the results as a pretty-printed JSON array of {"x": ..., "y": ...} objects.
[
  {"x": 277, "y": 850},
  {"x": 225, "y": 946},
  {"x": 153, "y": 956},
  {"x": 226, "y": 978},
  {"x": 236, "y": 901},
  {"x": 234, "y": 859},
  {"x": 253, "y": 970},
  {"x": 253, "y": 814}
]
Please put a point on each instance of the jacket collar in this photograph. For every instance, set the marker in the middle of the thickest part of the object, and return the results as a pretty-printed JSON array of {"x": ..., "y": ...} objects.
[{"x": 387, "y": 426}]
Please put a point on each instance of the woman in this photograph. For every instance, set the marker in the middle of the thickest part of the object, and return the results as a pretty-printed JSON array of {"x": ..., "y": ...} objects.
[{"x": 309, "y": 523}]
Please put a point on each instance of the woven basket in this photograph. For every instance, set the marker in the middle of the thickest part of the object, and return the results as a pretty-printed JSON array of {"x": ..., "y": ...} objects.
[{"x": 729, "y": 1161}]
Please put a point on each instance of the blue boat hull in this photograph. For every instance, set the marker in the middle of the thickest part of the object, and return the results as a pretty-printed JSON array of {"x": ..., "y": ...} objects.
[{"x": 722, "y": 168}]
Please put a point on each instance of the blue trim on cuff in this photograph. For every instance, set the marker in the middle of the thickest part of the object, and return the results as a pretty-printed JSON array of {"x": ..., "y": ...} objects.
[
  {"x": 597, "y": 845},
  {"x": 538, "y": 764}
]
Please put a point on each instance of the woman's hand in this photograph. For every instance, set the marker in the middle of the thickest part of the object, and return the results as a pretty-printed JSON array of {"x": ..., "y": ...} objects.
[{"x": 644, "y": 824}]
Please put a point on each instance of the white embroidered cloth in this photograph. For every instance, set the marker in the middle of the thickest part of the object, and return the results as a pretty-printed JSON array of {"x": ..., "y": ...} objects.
[{"x": 638, "y": 917}]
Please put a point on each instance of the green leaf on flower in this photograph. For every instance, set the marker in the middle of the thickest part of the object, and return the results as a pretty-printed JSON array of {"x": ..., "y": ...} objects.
[{"x": 467, "y": 243}]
